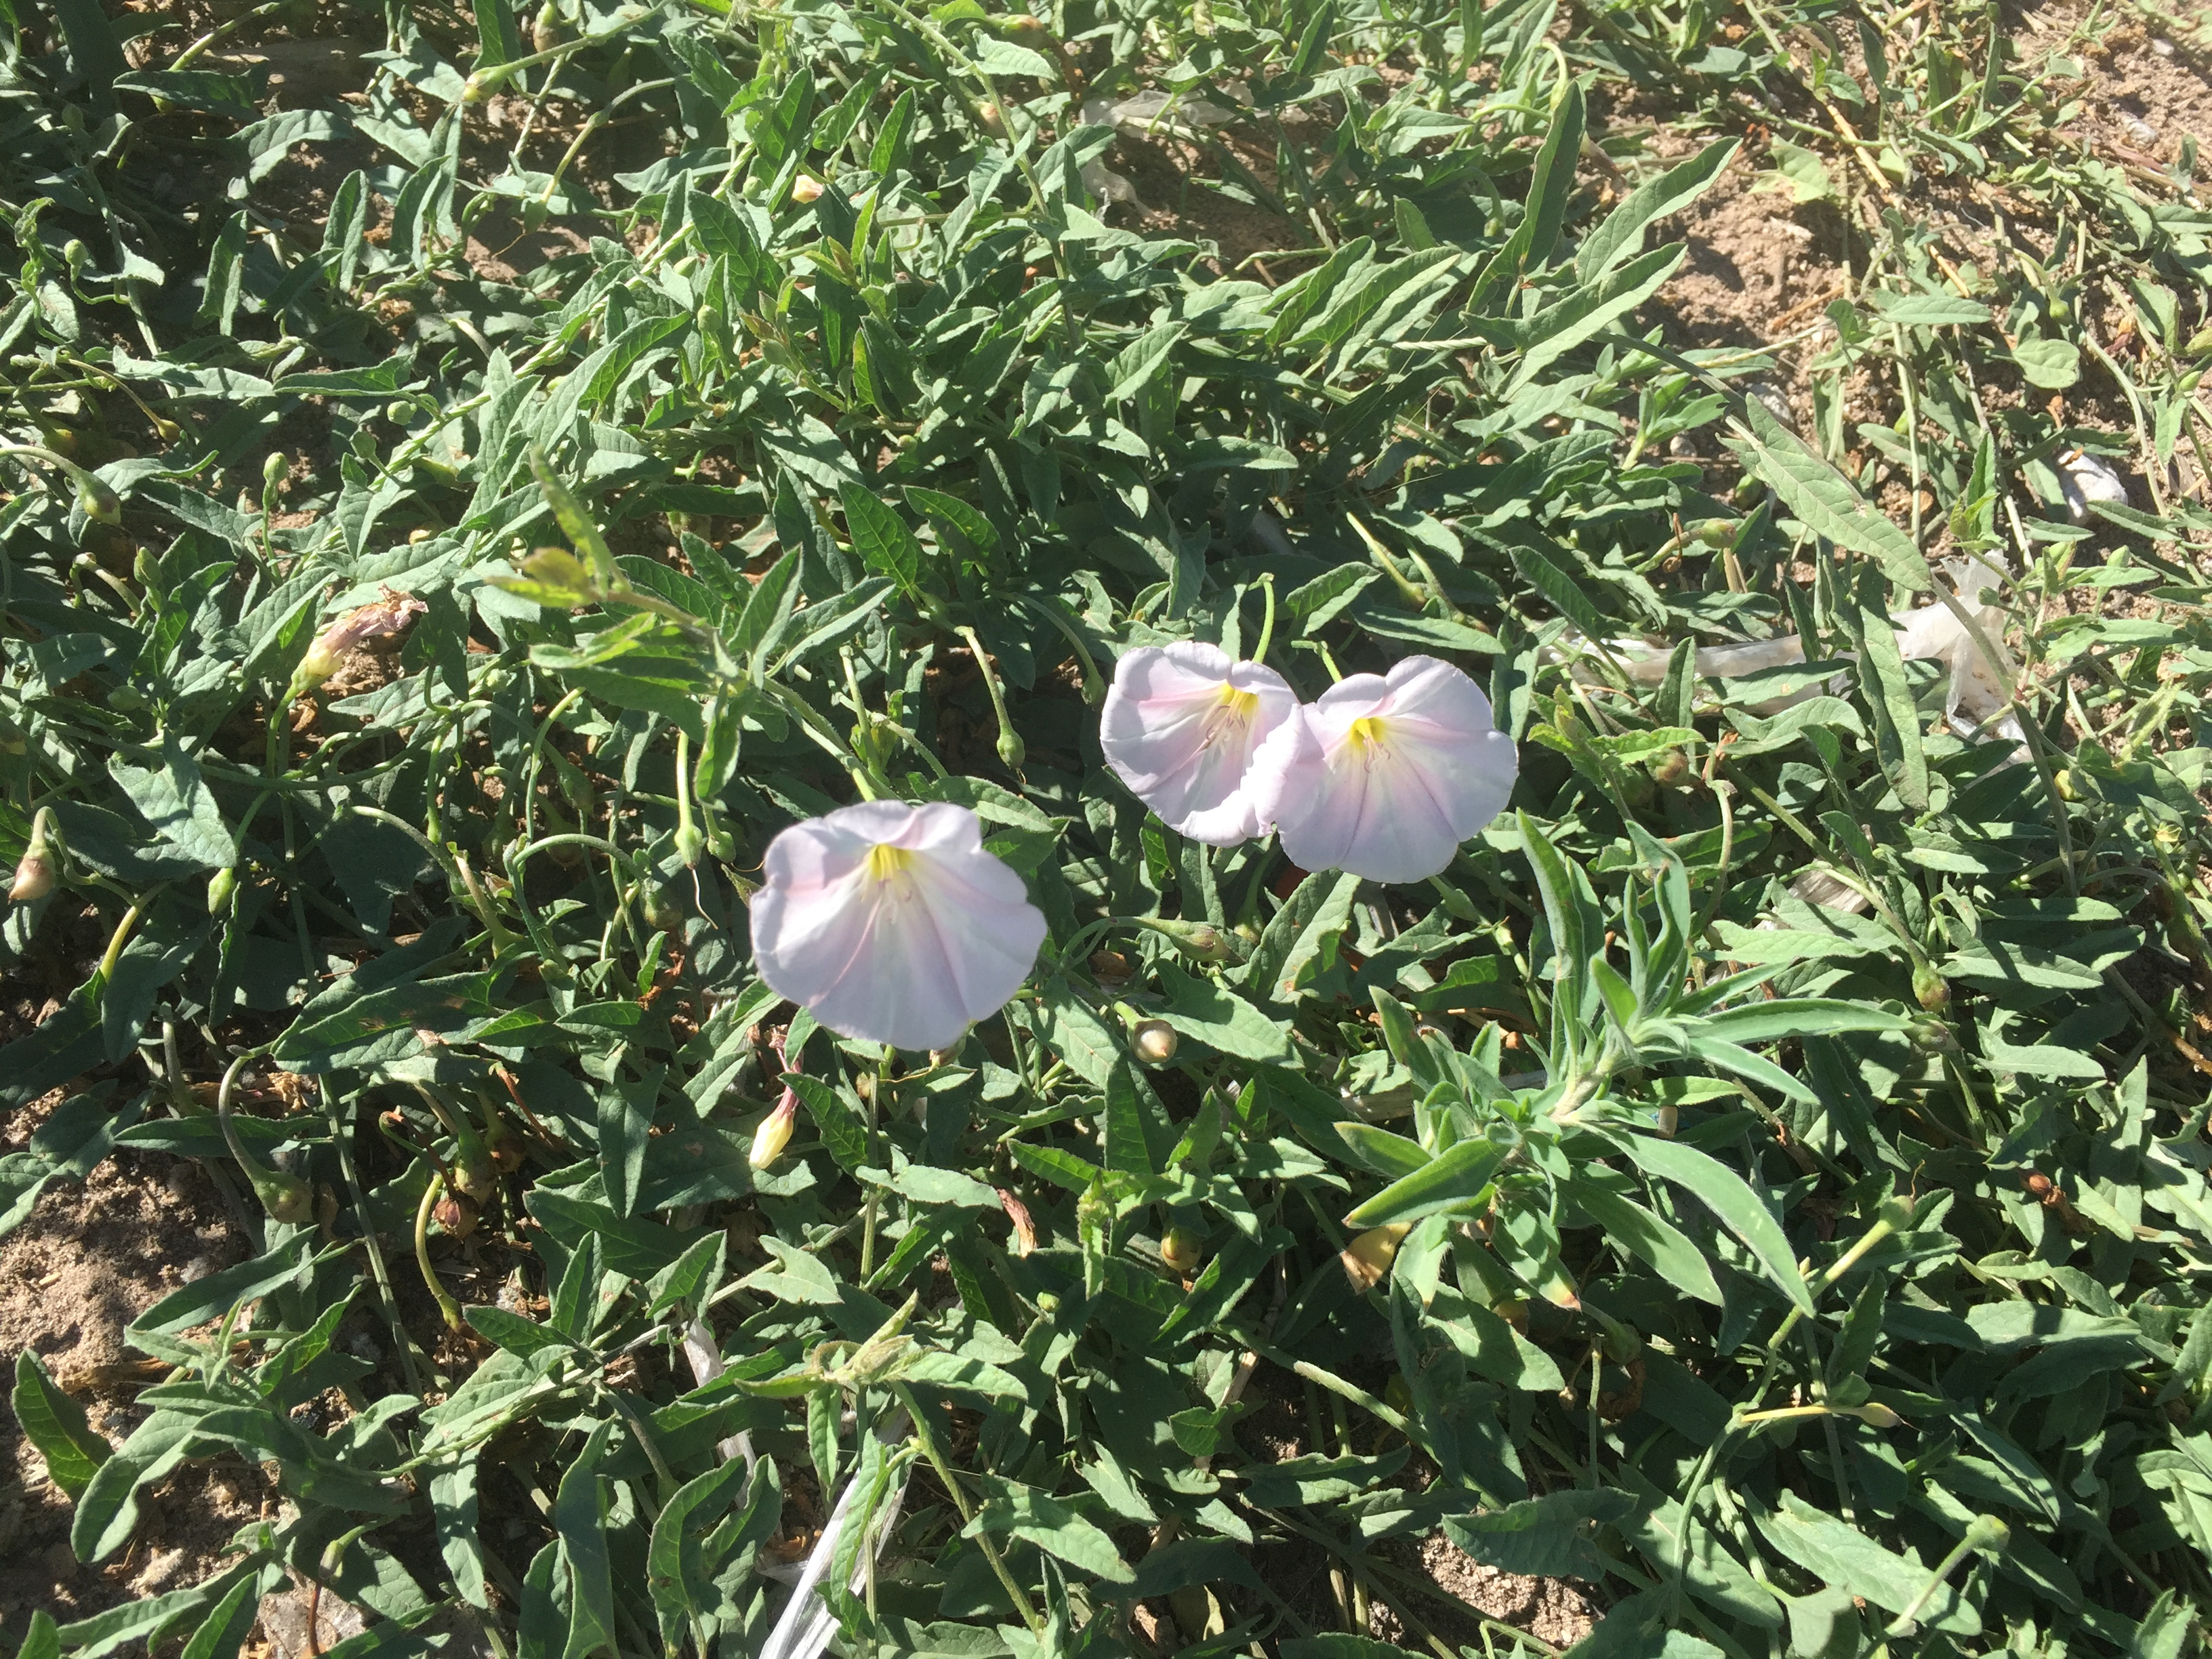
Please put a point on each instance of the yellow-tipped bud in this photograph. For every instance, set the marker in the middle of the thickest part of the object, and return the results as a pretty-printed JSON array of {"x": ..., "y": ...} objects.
[
  {"x": 774, "y": 1132},
  {"x": 1155, "y": 1041},
  {"x": 804, "y": 188}
]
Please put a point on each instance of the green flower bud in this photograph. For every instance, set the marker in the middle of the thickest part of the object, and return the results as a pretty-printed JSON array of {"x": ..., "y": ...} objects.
[
  {"x": 1155, "y": 1041},
  {"x": 274, "y": 468},
  {"x": 100, "y": 504},
  {"x": 222, "y": 892},
  {"x": 1182, "y": 1249},
  {"x": 1929, "y": 989},
  {"x": 1012, "y": 752}
]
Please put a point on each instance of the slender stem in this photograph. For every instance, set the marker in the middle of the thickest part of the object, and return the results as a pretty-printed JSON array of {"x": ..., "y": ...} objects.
[
  {"x": 1266, "y": 617},
  {"x": 927, "y": 1436},
  {"x": 377, "y": 1271},
  {"x": 447, "y": 1305}
]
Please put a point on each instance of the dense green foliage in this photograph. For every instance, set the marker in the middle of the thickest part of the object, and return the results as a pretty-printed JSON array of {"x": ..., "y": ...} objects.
[{"x": 1804, "y": 1278}]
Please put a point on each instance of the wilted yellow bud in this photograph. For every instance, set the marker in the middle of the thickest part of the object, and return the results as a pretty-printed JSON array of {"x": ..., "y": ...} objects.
[
  {"x": 804, "y": 189},
  {"x": 1368, "y": 1256},
  {"x": 1875, "y": 1414},
  {"x": 994, "y": 123},
  {"x": 774, "y": 1132}
]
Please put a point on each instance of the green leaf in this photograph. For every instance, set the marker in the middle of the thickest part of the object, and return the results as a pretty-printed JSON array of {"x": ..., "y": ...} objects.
[
  {"x": 1618, "y": 237},
  {"x": 880, "y": 536},
  {"x": 1451, "y": 1179},
  {"x": 1739, "y": 1209},
  {"x": 1303, "y": 932},
  {"x": 675, "y": 1562},
  {"x": 512, "y": 1331},
  {"x": 1033, "y": 1515},
  {"x": 578, "y": 1521},
  {"x": 2053, "y": 365},
  {"x": 1551, "y": 1537},
  {"x": 1827, "y": 502},
  {"x": 56, "y": 1426},
  {"x": 1219, "y": 1018},
  {"x": 1648, "y": 1236},
  {"x": 1891, "y": 696},
  {"x": 173, "y": 797},
  {"x": 1845, "y": 1557},
  {"x": 844, "y": 1137}
]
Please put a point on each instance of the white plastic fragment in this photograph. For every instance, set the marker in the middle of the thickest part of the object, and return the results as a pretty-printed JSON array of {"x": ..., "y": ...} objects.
[
  {"x": 1153, "y": 111},
  {"x": 1934, "y": 632},
  {"x": 807, "y": 1625},
  {"x": 2085, "y": 478}
]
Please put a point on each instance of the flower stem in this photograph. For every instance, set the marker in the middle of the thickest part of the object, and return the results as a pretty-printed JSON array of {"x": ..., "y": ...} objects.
[
  {"x": 1267, "y": 617},
  {"x": 447, "y": 1305},
  {"x": 284, "y": 1196},
  {"x": 928, "y": 1436}
]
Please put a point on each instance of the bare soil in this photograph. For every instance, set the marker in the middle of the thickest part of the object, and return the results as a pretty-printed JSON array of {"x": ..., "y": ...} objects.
[{"x": 91, "y": 1258}]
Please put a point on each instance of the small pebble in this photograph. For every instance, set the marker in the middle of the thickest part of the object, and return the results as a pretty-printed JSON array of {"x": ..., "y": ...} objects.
[
  {"x": 2162, "y": 46},
  {"x": 2141, "y": 130}
]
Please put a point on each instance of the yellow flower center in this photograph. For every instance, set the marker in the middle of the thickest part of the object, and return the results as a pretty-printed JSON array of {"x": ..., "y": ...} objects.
[
  {"x": 1365, "y": 734},
  {"x": 1231, "y": 715},
  {"x": 886, "y": 862}
]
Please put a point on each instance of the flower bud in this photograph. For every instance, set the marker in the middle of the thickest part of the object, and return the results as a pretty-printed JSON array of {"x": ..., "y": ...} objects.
[
  {"x": 455, "y": 1216},
  {"x": 100, "y": 504},
  {"x": 691, "y": 843},
  {"x": 2068, "y": 786},
  {"x": 1012, "y": 752},
  {"x": 1155, "y": 1041},
  {"x": 1929, "y": 988},
  {"x": 774, "y": 1132},
  {"x": 222, "y": 892},
  {"x": 994, "y": 123},
  {"x": 318, "y": 665},
  {"x": 805, "y": 188},
  {"x": 274, "y": 468},
  {"x": 502, "y": 1142},
  {"x": 1367, "y": 1259},
  {"x": 1986, "y": 1532},
  {"x": 1876, "y": 1415},
  {"x": 479, "y": 87},
  {"x": 1669, "y": 768},
  {"x": 1182, "y": 1249},
  {"x": 34, "y": 870},
  {"x": 546, "y": 32}
]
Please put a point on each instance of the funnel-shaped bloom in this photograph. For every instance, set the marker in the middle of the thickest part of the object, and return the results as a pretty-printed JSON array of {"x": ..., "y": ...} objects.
[
  {"x": 1386, "y": 776},
  {"x": 889, "y": 923},
  {"x": 1180, "y": 728}
]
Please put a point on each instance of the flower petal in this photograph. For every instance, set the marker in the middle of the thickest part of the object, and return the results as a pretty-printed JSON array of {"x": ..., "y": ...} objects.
[
  {"x": 1180, "y": 727},
  {"x": 909, "y": 951},
  {"x": 1393, "y": 775}
]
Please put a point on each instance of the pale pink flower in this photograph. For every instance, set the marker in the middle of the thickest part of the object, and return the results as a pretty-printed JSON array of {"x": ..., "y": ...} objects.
[
  {"x": 889, "y": 923},
  {"x": 1180, "y": 727},
  {"x": 1385, "y": 775}
]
